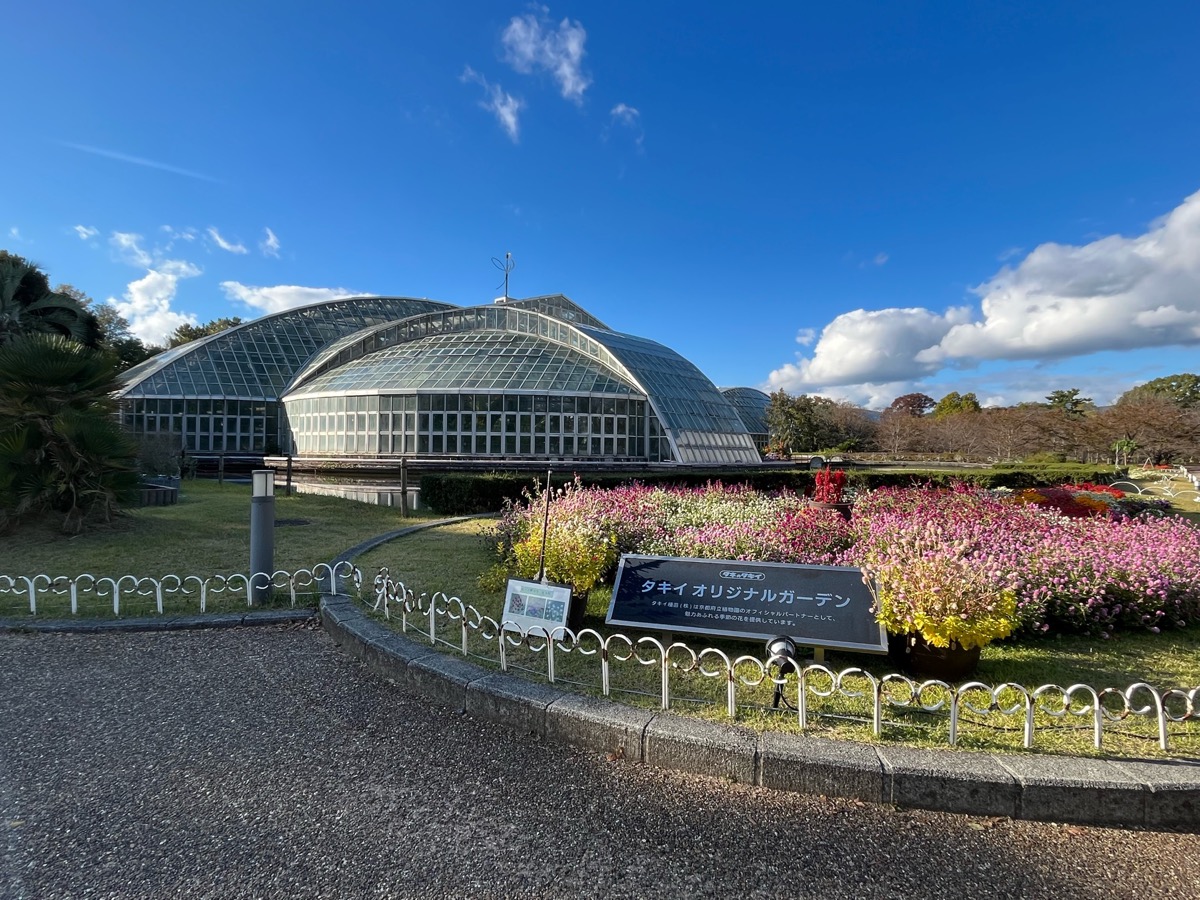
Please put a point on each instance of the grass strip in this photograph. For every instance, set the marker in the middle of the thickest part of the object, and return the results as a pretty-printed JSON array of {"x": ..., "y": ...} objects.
[{"x": 206, "y": 533}]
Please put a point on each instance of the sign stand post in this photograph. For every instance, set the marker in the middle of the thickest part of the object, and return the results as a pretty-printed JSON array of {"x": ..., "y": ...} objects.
[{"x": 541, "y": 575}]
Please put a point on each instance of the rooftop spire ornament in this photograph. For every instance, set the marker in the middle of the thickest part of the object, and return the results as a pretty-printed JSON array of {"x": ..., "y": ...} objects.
[{"x": 505, "y": 265}]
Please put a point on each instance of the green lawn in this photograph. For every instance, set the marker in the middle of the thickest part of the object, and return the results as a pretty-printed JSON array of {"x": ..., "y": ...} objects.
[
  {"x": 1186, "y": 500},
  {"x": 206, "y": 533}
]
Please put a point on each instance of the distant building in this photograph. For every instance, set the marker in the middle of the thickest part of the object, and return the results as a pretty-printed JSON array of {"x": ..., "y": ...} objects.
[{"x": 378, "y": 377}]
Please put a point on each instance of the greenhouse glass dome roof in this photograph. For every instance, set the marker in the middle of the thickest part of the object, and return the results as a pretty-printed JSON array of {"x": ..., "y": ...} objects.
[
  {"x": 751, "y": 406},
  {"x": 539, "y": 378}
]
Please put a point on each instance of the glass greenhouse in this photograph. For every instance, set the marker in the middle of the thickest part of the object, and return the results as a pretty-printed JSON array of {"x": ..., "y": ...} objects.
[
  {"x": 221, "y": 393},
  {"x": 523, "y": 379}
]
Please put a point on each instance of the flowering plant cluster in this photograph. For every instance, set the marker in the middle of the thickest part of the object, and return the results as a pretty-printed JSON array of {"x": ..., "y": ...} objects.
[
  {"x": 1081, "y": 501},
  {"x": 1066, "y": 574},
  {"x": 945, "y": 590},
  {"x": 713, "y": 522},
  {"x": 957, "y": 564},
  {"x": 830, "y": 483}
]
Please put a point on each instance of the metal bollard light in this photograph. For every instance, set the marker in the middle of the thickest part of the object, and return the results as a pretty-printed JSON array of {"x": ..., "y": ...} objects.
[{"x": 262, "y": 534}]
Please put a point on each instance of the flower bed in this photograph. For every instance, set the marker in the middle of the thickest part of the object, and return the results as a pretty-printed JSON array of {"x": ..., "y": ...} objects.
[
  {"x": 1048, "y": 571},
  {"x": 1067, "y": 574},
  {"x": 1084, "y": 501}
]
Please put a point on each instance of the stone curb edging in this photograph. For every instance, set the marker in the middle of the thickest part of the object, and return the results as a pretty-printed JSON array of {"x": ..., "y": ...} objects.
[{"x": 1126, "y": 793}]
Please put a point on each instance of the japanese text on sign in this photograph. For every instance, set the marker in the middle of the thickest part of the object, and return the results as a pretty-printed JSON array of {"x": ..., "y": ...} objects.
[{"x": 827, "y": 606}]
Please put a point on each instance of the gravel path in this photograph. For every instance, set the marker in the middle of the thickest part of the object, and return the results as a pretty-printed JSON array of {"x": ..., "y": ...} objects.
[{"x": 264, "y": 763}]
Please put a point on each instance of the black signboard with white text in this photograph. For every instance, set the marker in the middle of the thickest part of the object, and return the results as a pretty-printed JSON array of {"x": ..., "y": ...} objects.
[{"x": 821, "y": 606}]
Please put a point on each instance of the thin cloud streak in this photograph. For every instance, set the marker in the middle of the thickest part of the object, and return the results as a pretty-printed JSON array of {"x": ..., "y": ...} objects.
[
  {"x": 138, "y": 161},
  {"x": 227, "y": 246},
  {"x": 503, "y": 105},
  {"x": 270, "y": 244}
]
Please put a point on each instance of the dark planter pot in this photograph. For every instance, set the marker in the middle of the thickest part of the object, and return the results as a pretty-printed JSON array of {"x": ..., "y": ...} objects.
[
  {"x": 842, "y": 508},
  {"x": 158, "y": 495},
  {"x": 575, "y": 611},
  {"x": 912, "y": 654}
]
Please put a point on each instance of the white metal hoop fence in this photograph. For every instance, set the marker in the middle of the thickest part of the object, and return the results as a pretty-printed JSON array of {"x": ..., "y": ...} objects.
[{"x": 449, "y": 622}]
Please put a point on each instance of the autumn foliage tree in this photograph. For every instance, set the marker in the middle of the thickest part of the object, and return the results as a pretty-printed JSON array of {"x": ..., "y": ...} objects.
[{"x": 913, "y": 404}]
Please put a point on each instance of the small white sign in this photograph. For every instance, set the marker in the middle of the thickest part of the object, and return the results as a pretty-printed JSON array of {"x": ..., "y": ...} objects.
[{"x": 530, "y": 605}]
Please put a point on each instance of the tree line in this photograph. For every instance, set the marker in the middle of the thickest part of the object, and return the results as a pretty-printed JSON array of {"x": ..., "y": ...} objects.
[
  {"x": 61, "y": 356},
  {"x": 1157, "y": 422}
]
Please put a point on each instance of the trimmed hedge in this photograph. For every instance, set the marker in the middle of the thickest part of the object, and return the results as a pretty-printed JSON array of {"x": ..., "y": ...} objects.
[{"x": 465, "y": 493}]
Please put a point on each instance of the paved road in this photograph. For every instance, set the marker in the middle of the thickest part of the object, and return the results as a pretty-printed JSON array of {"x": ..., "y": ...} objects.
[{"x": 264, "y": 763}]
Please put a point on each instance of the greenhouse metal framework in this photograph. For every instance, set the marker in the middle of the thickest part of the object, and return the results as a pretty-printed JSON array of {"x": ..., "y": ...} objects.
[{"x": 379, "y": 377}]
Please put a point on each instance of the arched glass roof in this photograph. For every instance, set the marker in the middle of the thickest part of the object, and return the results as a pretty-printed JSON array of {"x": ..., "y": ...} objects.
[
  {"x": 470, "y": 361},
  {"x": 256, "y": 360},
  {"x": 700, "y": 422},
  {"x": 751, "y": 404},
  {"x": 561, "y": 308},
  {"x": 508, "y": 317}
]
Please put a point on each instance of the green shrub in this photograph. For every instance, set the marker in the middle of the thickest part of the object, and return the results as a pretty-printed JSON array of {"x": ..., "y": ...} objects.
[{"x": 463, "y": 493}]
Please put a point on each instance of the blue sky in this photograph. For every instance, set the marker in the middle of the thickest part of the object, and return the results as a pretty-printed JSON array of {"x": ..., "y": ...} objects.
[{"x": 853, "y": 199}]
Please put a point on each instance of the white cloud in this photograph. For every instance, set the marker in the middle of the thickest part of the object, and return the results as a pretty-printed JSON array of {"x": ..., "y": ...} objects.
[
  {"x": 239, "y": 249},
  {"x": 129, "y": 249},
  {"x": 1115, "y": 293},
  {"x": 880, "y": 259},
  {"x": 867, "y": 395},
  {"x": 805, "y": 336},
  {"x": 282, "y": 296},
  {"x": 624, "y": 114},
  {"x": 531, "y": 42},
  {"x": 270, "y": 244},
  {"x": 1169, "y": 316},
  {"x": 86, "y": 232},
  {"x": 188, "y": 234},
  {"x": 15, "y": 233},
  {"x": 178, "y": 268},
  {"x": 503, "y": 105},
  {"x": 864, "y": 346},
  {"x": 147, "y": 302},
  {"x": 628, "y": 117}
]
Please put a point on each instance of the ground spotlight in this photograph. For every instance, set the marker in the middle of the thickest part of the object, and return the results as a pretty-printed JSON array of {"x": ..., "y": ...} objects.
[{"x": 781, "y": 652}]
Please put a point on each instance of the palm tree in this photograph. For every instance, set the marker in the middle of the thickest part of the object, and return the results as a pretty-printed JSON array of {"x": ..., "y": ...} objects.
[
  {"x": 28, "y": 306},
  {"x": 61, "y": 449}
]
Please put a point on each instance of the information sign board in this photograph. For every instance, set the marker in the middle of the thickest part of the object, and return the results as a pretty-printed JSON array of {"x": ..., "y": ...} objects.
[
  {"x": 529, "y": 605},
  {"x": 820, "y": 606}
]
